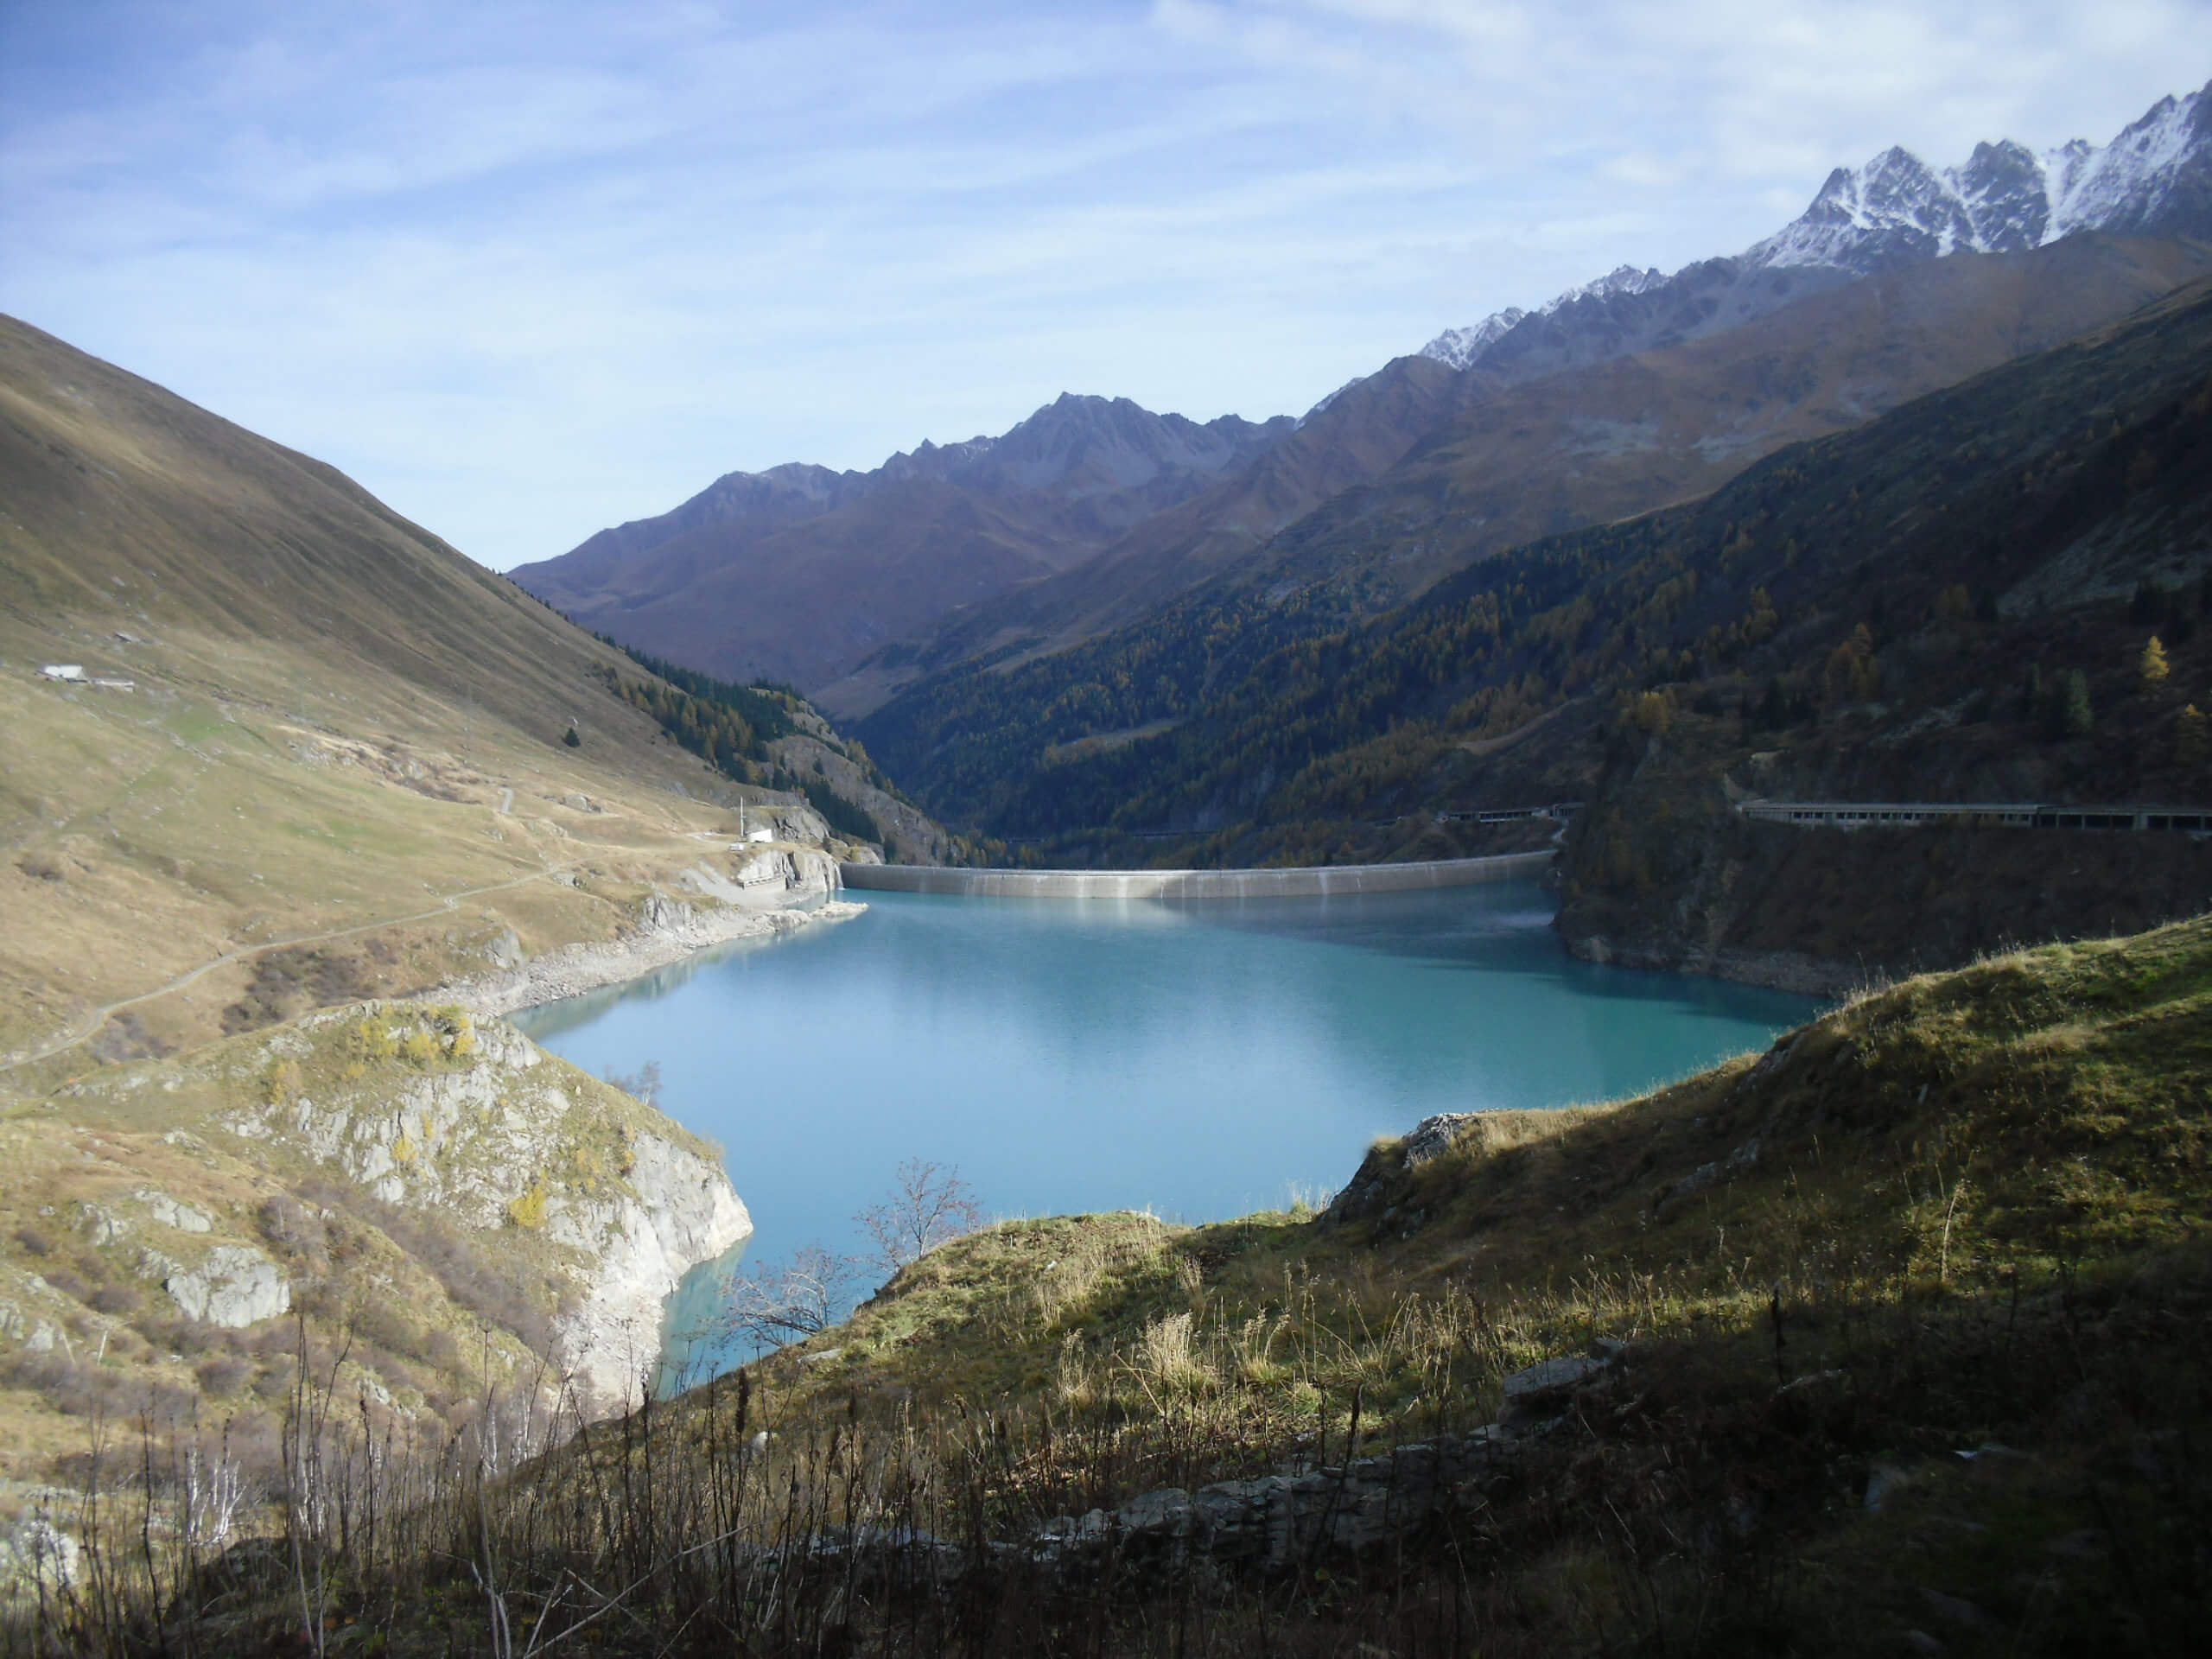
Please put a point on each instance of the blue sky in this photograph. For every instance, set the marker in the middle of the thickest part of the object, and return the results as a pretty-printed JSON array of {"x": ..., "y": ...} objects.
[{"x": 529, "y": 269}]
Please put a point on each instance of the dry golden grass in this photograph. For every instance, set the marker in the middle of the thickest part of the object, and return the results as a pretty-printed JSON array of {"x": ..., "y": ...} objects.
[
  {"x": 1977, "y": 1214},
  {"x": 151, "y": 833},
  {"x": 343, "y": 736}
]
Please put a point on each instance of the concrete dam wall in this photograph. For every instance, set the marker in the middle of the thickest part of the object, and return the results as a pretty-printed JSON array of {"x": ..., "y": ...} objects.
[{"x": 1313, "y": 882}]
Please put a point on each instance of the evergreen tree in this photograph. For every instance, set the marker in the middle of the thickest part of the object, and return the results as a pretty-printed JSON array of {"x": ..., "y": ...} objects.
[
  {"x": 1772, "y": 714},
  {"x": 2076, "y": 719},
  {"x": 2190, "y": 739}
]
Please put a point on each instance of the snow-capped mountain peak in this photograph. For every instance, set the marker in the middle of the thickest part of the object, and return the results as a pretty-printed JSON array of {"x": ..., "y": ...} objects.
[
  {"x": 1621, "y": 279},
  {"x": 2002, "y": 199},
  {"x": 1461, "y": 347},
  {"x": 1457, "y": 347},
  {"x": 2137, "y": 176},
  {"x": 2154, "y": 178}
]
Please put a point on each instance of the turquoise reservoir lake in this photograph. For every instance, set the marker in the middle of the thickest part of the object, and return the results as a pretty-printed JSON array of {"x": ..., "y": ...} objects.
[{"x": 1205, "y": 1059}]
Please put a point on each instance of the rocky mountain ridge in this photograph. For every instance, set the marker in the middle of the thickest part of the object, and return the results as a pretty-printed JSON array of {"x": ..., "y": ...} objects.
[
  {"x": 2154, "y": 178},
  {"x": 1090, "y": 514},
  {"x": 1888, "y": 218},
  {"x": 1356, "y": 435},
  {"x": 1225, "y": 705},
  {"x": 1078, "y": 446},
  {"x": 796, "y": 573}
]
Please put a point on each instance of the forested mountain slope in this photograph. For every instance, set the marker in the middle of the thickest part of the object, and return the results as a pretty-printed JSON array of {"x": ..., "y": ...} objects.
[
  {"x": 1092, "y": 513},
  {"x": 1227, "y": 665},
  {"x": 1414, "y": 473},
  {"x": 1867, "y": 612},
  {"x": 1641, "y": 432},
  {"x": 1623, "y": 435}
]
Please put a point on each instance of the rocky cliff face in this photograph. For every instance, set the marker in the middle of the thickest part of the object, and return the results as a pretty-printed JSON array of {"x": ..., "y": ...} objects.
[
  {"x": 504, "y": 1139},
  {"x": 678, "y": 1212},
  {"x": 409, "y": 1177}
]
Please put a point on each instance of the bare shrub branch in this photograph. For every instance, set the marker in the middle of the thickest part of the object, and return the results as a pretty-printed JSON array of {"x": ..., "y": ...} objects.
[
  {"x": 929, "y": 1205},
  {"x": 643, "y": 1085},
  {"x": 772, "y": 1306}
]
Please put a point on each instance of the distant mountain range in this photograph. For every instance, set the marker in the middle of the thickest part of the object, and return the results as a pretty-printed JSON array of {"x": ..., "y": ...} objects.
[
  {"x": 2154, "y": 179},
  {"x": 1254, "y": 701},
  {"x": 796, "y": 573},
  {"x": 1091, "y": 514}
]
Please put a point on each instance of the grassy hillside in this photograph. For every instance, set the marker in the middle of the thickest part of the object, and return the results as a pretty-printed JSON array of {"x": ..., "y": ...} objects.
[
  {"x": 1899, "y": 1332},
  {"x": 340, "y": 770},
  {"x": 336, "y": 764}
]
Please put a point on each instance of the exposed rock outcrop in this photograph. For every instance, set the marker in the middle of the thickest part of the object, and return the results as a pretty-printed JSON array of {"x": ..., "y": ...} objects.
[
  {"x": 679, "y": 1213},
  {"x": 1379, "y": 1188},
  {"x": 1277, "y": 1521},
  {"x": 235, "y": 1286},
  {"x": 1269, "y": 1523},
  {"x": 171, "y": 1213},
  {"x": 754, "y": 902},
  {"x": 500, "y": 1136}
]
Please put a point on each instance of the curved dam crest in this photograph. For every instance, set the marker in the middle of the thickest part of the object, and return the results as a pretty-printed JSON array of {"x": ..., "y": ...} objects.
[{"x": 1310, "y": 881}]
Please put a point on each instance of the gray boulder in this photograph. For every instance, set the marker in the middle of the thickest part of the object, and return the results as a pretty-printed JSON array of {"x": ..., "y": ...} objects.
[
  {"x": 1551, "y": 1376},
  {"x": 172, "y": 1213},
  {"x": 237, "y": 1286}
]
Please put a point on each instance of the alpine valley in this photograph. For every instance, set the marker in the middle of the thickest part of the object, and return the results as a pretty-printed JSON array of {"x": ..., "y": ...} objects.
[
  {"x": 1834, "y": 615},
  {"x": 1114, "y": 638}
]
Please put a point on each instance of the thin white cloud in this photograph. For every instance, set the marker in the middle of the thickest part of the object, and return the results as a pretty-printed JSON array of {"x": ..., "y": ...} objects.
[{"x": 527, "y": 269}]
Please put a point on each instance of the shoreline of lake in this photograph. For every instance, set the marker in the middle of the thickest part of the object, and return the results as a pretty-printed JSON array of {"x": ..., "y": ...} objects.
[
  {"x": 1207, "y": 1059},
  {"x": 671, "y": 932}
]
